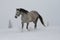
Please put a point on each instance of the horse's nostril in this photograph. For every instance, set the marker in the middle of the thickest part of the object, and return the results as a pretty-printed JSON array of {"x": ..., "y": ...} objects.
[{"x": 15, "y": 16}]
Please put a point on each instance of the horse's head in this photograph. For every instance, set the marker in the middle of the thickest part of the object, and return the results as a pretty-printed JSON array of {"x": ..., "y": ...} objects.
[
  {"x": 17, "y": 13},
  {"x": 20, "y": 11}
]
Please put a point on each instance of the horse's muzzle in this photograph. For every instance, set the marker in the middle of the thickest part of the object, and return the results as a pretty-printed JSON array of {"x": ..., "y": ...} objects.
[{"x": 15, "y": 16}]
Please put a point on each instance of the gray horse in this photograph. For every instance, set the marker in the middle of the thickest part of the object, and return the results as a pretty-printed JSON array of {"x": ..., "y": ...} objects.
[{"x": 27, "y": 17}]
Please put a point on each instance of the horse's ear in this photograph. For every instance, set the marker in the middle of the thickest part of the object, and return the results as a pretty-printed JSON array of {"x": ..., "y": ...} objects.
[{"x": 17, "y": 9}]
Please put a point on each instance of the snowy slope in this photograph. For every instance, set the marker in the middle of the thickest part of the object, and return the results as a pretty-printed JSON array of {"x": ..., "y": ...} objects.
[{"x": 48, "y": 33}]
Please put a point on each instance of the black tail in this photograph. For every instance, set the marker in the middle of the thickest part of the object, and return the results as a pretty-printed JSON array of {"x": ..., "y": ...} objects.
[{"x": 41, "y": 19}]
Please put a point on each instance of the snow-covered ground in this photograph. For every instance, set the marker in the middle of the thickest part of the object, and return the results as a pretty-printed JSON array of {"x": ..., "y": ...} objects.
[
  {"x": 49, "y": 9},
  {"x": 47, "y": 33}
]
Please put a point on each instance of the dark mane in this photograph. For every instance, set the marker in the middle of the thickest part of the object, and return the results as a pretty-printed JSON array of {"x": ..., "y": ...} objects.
[{"x": 23, "y": 10}]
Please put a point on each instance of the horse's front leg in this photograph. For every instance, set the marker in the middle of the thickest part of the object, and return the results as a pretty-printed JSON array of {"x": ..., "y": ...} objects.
[
  {"x": 22, "y": 25},
  {"x": 27, "y": 26}
]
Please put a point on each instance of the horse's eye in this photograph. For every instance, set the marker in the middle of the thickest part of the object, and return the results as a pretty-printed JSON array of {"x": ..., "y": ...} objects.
[{"x": 17, "y": 12}]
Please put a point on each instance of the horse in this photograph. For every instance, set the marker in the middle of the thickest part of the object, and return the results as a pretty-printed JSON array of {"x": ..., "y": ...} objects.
[{"x": 27, "y": 17}]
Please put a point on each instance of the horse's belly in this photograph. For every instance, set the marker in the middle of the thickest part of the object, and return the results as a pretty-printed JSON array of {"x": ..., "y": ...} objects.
[{"x": 26, "y": 19}]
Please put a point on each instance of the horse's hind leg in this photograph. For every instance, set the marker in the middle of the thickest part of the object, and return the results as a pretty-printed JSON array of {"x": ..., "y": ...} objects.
[{"x": 35, "y": 22}]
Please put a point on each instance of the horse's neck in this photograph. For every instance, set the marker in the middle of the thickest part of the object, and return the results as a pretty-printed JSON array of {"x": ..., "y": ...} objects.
[{"x": 24, "y": 14}]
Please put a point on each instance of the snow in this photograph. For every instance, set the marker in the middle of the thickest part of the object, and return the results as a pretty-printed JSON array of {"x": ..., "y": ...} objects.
[
  {"x": 47, "y": 33},
  {"x": 11, "y": 30}
]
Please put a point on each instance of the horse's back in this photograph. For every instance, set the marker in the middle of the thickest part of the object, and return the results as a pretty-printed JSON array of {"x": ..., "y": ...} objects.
[{"x": 33, "y": 15}]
